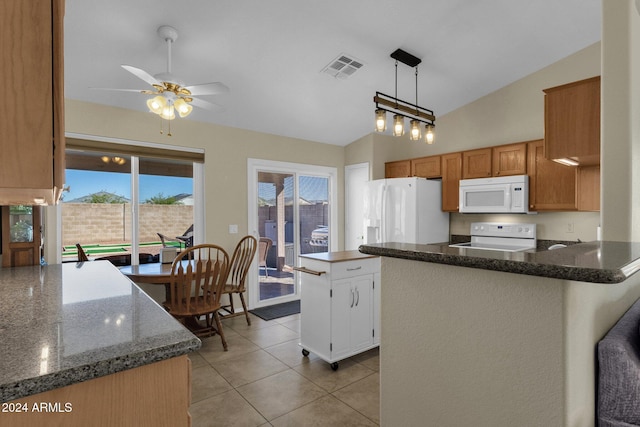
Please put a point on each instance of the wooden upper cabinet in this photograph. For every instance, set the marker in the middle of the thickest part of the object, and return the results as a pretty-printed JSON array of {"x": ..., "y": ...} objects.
[
  {"x": 32, "y": 123},
  {"x": 426, "y": 167},
  {"x": 476, "y": 163},
  {"x": 510, "y": 159},
  {"x": 399, "y": 169},
  {"x": 572, "y": 121},
  {"x": 451, "y": 175},
  {"x": 552, "y": 186}
]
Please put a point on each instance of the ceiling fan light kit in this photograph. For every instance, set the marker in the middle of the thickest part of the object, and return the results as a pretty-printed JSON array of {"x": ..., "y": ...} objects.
[
  {"x": 169, "y": 93},
  {"x": 403, "y": 109}
]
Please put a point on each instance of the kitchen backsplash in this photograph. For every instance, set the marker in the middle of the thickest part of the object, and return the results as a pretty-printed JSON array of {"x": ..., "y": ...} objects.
[{"x": 560, "y": 226}]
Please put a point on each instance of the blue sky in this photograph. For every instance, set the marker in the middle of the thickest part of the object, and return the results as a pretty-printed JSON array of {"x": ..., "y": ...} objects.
[{"x": 83, "y": 183}]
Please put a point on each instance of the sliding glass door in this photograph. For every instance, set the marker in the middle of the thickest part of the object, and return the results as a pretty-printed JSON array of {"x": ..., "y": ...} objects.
[
  {"x": 292, "y": 212},
  {"x": 126, "y": 208}
]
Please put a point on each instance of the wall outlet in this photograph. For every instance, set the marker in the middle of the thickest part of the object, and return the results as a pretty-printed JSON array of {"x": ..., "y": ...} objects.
[
  {"x": 233, "y": 228},
  {"x": 570, "y": 227}
]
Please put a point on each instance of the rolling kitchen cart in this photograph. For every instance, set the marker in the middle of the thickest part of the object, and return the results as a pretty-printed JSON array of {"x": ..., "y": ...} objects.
[{"x": 339, "y": 304}]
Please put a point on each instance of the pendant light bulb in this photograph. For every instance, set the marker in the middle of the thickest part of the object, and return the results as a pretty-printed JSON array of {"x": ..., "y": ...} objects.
[
  {"x": 415, "y": 134},
  {"x": 381, "y": 120},
  {"x": 398, "y": 125},
  {"x": 429, "y": 136}
]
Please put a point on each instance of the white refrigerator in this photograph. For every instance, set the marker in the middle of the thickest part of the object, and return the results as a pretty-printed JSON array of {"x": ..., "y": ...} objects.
[{"x": 406, "y": 210}]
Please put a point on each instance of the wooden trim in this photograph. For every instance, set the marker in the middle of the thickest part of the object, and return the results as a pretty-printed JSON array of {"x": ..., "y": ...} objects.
[{"x": 133, "y": 150}]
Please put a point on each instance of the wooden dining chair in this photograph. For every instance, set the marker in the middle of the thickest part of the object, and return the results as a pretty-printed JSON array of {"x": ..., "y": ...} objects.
[
  {"x": 198, "y": 275},
  {"x": 240, "y": 262},
  {"x": 82, "y": 255},
  {"x": 264, "y": 246}
]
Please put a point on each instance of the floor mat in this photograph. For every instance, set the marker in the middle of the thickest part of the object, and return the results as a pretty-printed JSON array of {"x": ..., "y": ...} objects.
[{"x": 278, "y": 310}]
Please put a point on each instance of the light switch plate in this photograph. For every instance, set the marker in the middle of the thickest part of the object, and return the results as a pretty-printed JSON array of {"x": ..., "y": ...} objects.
[{"x": 233, "y": 228}]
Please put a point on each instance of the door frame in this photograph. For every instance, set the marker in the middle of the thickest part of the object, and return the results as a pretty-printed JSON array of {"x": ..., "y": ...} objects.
[
  {"x": 354, "y": 221},
  {"x": 253, "y": 167}
]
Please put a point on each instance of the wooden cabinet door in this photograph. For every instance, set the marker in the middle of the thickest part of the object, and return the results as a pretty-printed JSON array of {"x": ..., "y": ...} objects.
[
  {"x": 476, "y": 163},
  {"x": 572, "y": 121},
  {"x": 552, "y": 186},
  {"x": 451, "y": 174},
  {"x": 510, "y": 159},
  {"x": 399, "y": 169},
  {"x": 32, "y": 122},
  {"x": 589, "y": 188},
  {"x": 426, "y": 167}
]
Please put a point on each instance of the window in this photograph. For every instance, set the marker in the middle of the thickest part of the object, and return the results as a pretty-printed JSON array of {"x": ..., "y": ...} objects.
[{"x": 124, "y": 205}]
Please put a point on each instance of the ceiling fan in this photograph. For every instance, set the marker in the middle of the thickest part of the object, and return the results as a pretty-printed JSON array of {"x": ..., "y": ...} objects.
[{"x": 170, "y": 92}]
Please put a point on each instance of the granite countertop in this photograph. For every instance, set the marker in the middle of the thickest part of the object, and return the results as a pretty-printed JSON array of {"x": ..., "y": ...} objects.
[
  {"x": 596, "y": 262},
  {"x": 63, "y": 324}
]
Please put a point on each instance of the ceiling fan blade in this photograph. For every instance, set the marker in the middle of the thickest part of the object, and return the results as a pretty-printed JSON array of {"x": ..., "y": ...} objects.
[
  {"x": 143, "y": 75},
  {"x": 206, "y": 105},
  {"x": 214, "y": 88},
  {"x": 122, "y": 90}
]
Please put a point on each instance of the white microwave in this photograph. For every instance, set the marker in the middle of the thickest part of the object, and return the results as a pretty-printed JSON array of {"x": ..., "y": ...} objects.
[{"x": 505, "y": 194}]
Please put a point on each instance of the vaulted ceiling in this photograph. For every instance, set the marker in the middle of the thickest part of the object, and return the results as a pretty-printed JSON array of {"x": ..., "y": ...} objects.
[{"x": 271, "y": 53}]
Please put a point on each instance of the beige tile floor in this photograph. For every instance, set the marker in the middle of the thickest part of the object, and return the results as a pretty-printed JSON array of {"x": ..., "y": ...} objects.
[{"x": 263, "y": 380}]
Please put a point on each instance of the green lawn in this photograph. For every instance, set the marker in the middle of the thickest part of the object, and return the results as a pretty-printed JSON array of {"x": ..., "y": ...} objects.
[{"x": 92, "y": 249}]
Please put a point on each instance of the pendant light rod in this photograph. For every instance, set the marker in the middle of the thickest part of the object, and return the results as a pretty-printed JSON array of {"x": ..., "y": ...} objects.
[
  {"x": 396, "y": 79},
  {"x": 416, "y": 90}
]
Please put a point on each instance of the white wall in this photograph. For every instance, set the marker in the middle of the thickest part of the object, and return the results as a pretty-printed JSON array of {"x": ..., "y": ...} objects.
[{"x": 620, "y": 125}]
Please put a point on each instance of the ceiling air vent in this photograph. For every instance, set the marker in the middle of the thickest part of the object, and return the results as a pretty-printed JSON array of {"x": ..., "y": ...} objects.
[{"x": 343, "y": 66}]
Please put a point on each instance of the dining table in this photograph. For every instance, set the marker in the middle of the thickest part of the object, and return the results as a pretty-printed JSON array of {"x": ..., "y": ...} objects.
[{"x": 154, "y": 273}]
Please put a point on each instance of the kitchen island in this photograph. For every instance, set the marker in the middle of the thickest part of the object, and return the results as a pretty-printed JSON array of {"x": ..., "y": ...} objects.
[
  {"x": 487, "y": 338},
  {"x": 83, "y": 345}
]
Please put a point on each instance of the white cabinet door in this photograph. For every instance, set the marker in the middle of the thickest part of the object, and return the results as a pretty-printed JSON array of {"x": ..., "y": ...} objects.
[
  {"x": 351, "y": 316},
  {"x": 341, "y": 300},
  {"x": 361, "y": 329}
]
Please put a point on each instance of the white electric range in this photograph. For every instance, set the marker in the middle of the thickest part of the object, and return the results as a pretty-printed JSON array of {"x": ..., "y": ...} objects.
[{"x": 505, "y": 237}]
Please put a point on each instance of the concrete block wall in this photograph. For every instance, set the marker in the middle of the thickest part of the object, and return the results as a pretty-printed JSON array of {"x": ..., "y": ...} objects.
[{"x": 104, "y": 223}]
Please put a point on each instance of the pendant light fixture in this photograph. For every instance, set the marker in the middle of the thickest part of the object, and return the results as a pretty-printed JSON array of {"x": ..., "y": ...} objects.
[{"x": 402, "y": 109}]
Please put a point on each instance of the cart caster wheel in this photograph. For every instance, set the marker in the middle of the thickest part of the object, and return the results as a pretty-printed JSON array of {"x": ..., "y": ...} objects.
[
  {"x": 335, "y": 366},
  {"x": 305, "y": 352}
]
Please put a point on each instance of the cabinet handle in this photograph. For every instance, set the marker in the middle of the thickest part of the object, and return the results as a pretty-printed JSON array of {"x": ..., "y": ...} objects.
[
  {"x": 354, "y": 269},
  {"x": 352, "y": 298},
  {"x": 306, "y": 270},
  {"x": 358, "y": 296}
]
